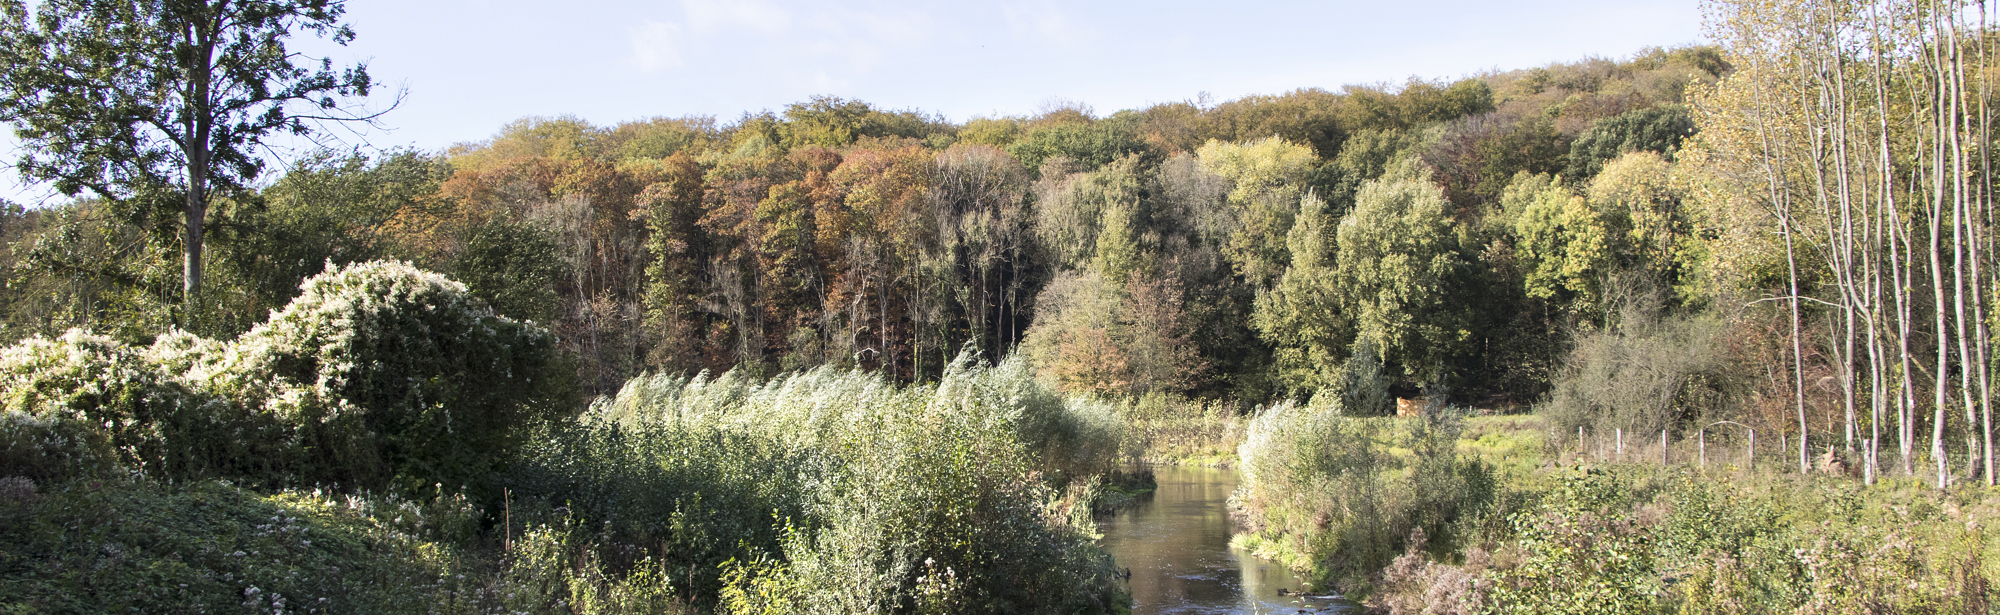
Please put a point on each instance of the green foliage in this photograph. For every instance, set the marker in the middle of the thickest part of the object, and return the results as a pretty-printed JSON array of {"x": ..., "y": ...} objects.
[
  {"x": 379, "y": 375},
  {"x": 187, "y": 116},
  {"x": 660, "y": 138},
  {"x": 1397, "y": 267},
  {"x": 1268, "y": 177},
  {"x": 836, "y": 491},
  {"x": 1308, "y": 116},
  {"x": 382, "y": 363},
  {"x": 1641, "y": 539},
  {"x": 1336, "y": 497},
  {"x": 1072, "y": 211},
  {"x": 1477, "y": 156},
  {"x": 1301, "y": 317},
  {"x": 827, "y": 121},
  {"x": 997, "y": 132},
  {"x": 1581, "y": 553},
  {"x": 1416, "y": 103},
  {"x": 1163, "y": 428},
  {"x": 1654, "y": 129},
  {"x": 514, "y": 268},
  {"x": 82, "y": 264},
  {"x": 1088, "y": 144},
  {"x": 1647, "y": 373},
  {"x": 117, "y": 546},
  {"x": 1656, "y": 231},
  {"x": 83, "y": 405},
  {"x": 326, "y": 209},
  {"x": 1367, "y": 154},
  {"x": 1565, "y": 250}
]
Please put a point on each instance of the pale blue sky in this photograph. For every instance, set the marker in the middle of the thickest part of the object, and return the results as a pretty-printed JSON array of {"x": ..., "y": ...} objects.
[{"x": 471, "y": 66}]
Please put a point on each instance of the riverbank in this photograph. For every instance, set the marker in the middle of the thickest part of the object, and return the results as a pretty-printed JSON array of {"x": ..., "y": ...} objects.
[
  {"x": 258, "y": 473},
  {"x": 1169, "y": 430},
  {"x": 1513, "y": 519},
  {"x": 1175, "y": 547}
]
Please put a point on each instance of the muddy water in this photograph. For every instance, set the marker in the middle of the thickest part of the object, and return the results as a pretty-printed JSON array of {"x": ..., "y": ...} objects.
[{"x": 1177, "y": 544}]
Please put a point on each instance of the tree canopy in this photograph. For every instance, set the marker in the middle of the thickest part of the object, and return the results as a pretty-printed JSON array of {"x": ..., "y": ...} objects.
[{"x": 148, "y": 102}]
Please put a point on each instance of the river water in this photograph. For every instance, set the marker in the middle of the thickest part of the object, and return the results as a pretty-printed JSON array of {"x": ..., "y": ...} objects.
[{"x": 1177, "y": 544}]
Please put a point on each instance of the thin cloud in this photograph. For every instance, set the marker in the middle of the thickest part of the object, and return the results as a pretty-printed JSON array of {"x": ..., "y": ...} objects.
[
  {"x": 1040, "y": 19},
  {"x": 654, "y": 46},
  {"x": 705, "y": 15}
]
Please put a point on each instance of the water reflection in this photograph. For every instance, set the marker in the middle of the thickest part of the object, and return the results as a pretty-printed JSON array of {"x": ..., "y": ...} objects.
[{"x": 1177, "y": 545}]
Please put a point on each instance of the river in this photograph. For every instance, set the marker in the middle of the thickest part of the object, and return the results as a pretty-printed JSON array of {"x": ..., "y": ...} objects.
[{"x": 1176, "y": 541}]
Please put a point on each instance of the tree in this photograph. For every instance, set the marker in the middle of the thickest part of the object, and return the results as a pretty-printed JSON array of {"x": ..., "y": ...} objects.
[
  {"x": 143, "y": 102},
  {"x": 1300, "y": 316},
  {"x": 1654, "y": 129},
  {"x": 1268, "y": 176},
  {"x": 1397, "y": 263},
  {"x": 1564, "y": 249}
]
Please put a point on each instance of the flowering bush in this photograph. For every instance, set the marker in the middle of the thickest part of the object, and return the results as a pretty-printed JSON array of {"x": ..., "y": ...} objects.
[
  {"x": 393, "y": 374},
  {"x": 77, "y": 404},
  {"x": 378, "y": 374}
]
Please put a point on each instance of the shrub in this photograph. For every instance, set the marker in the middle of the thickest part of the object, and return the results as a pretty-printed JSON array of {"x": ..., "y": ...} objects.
[
  {"x": 1583, "y": 552},
  {"x": 1336, "y": 497},
  {"x": 378, "y": 375},
  {"x": 394, "y": 375},
  {"x": 85, "y": 405},
  {"x": 1646, "y": 539},
  {"x": 119, "y": 546},
  {"x": 838, "y": 491},
  {"x": 1645, "y": 374}
]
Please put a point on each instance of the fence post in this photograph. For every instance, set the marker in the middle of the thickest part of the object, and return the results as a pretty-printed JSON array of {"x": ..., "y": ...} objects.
[
  {"x": 1663, "y": 447},
  {"x": 1620, "y": 434},
  {"x": 1701, "y": 445}
]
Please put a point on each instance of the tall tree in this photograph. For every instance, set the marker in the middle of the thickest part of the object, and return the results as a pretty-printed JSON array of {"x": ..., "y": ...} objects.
[
  {"x": 1396, "y": 263},
  {"x": 144, "y": 102}
]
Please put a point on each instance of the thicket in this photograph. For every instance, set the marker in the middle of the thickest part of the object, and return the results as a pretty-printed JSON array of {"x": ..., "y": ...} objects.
[
  {"x": 1338, "y": 498},
  {"x": 839, "y": 491},
  {"x": 1639, "y": 539},
  {"x": 422, "y": 423},
  {"x": 378, "y": 376}
]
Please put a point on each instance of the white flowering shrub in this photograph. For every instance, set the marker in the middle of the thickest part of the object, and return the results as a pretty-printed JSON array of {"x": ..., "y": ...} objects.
[
  {"x": 393, "y": 374},
  {"x": 79, "y": 404},
  {"x": 378, "y": 375}
]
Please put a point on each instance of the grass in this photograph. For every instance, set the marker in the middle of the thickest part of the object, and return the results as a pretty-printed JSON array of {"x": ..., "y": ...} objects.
[{"x": 1572, "y": 528}]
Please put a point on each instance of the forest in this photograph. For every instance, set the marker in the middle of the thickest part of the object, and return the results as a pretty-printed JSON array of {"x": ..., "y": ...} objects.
[{"x": 844, "y": 358}]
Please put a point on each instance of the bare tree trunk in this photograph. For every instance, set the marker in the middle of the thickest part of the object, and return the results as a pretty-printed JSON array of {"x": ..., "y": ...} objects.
[
  {"x": 1981, "y": 340},
  {"x": 1940, "y": 374},
  {"x": 1798, "y": 345},
  {"x": 1901, "y": 264}
]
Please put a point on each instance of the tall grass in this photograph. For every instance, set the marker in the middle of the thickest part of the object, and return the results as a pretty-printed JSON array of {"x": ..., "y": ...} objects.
[
  {"x": 1168, "y": 429},
  {"x": 837, "y": 491}
]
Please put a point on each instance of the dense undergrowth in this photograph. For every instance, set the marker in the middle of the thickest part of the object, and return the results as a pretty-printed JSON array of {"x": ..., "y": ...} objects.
[
  {"x": 1489, "y": 515},
  {"x": 385, "y": 444},
  {"x": 837, "y": 491}
]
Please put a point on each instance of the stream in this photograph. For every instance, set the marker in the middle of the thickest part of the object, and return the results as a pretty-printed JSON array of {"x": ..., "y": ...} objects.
[{"x": 1176, "y": 542}]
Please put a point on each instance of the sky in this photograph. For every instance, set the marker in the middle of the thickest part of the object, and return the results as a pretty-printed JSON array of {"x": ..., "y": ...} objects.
[{"x": 465, "y": 68}]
